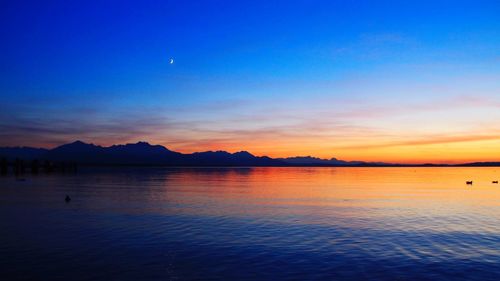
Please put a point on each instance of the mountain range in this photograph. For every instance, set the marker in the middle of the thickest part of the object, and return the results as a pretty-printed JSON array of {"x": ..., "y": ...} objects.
[{"x": 145, "y": 154}]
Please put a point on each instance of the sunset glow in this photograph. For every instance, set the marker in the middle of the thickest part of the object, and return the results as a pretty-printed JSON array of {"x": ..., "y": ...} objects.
[{"x": 402, "y": 83}]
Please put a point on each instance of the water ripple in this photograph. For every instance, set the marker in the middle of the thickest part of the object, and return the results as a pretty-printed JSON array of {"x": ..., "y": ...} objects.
[{"x": 252, "y": 224}]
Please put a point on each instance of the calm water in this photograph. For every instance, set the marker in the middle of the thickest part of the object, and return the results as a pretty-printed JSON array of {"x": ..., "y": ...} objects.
[{"x": 252, "y": 224}]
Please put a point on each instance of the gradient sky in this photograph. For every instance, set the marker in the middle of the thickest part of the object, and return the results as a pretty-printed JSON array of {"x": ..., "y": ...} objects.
[{"x": 412, "y": 81}]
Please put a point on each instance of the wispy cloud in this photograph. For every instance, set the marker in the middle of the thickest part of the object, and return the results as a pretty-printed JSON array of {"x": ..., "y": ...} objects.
[
  {"x": 276, "y": 128},
  {"x": 428, "y": 140}
]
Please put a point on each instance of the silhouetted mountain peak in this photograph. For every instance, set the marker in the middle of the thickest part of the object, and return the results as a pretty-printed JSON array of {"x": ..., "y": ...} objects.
[
  {"x": 141, "y": 147},
  {"x": 245, "y": 154},
  {"x": 142, "y": 144},
  {"x": 304, "y": 160},
  {"x": 143, "y": 153},
  {"x": 74, "y": 149},
  {"x": 76, "y": 145},
  {"x": 304, "y": 157},
  {"x": 210, "y": 152}
]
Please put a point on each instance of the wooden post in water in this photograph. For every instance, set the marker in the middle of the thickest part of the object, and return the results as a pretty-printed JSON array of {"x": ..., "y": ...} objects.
[
  {"x": 35, "y": 166},
  {"x": 47, "y": 166},
  {"x": 22, "y": 166},
  {"x": 17, "y": 166}
]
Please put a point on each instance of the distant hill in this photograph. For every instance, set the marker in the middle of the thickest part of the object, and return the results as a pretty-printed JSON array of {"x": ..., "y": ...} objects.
[
  {"x": 26, "y": 153},
  {"x": 145, "y": 154},
  {"x": 141, "y": 153},
  {"x": 313, "y": 161},
  {"x": 480, "y": 164}
]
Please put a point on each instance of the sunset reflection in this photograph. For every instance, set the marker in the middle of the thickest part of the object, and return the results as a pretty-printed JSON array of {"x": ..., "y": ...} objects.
[{"x": 348, "y": 196}]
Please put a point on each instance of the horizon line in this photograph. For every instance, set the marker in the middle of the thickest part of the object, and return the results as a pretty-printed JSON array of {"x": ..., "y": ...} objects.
[{"x": 277, "y": 158}]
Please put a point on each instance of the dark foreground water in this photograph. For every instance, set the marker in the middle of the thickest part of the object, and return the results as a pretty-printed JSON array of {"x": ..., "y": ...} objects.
[{"x": 252, "y": 224}]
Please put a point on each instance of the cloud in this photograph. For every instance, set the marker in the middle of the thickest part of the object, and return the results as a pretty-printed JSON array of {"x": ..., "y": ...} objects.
[
  {"x": 47, "y": 129},
  {"x": 428, "y": 140},
  {"x": 275, "y": 128}
]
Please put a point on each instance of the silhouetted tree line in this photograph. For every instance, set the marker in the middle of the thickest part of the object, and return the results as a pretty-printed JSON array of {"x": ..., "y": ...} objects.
[{"x": 19, "y": 166}]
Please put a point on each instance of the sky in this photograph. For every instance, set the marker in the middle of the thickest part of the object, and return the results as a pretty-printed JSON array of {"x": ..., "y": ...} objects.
[{"x": 394, "y": 81}]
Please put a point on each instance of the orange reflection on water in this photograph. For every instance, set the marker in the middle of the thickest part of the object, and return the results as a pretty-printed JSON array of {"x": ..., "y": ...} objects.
[{"x": 336, "y": 195}]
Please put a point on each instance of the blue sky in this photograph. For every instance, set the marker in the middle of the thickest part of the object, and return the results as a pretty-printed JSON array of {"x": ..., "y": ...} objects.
[{"x": 272, "y": 77}]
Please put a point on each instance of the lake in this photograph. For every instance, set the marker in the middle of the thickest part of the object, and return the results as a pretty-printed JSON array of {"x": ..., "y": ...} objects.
[{"x": 252, "y": 224}]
